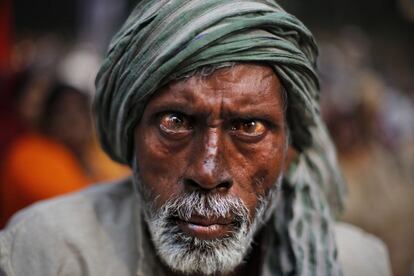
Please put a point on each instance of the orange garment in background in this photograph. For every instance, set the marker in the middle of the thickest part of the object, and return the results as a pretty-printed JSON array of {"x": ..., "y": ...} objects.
[{"x": 37, "y": 167}]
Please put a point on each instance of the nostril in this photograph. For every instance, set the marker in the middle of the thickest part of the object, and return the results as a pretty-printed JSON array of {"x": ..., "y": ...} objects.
[
  {"x": 224, "y": 185},
  {"x": 191, "y": 183}
]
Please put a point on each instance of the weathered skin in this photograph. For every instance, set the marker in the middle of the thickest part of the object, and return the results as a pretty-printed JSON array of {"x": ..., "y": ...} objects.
[{"x": 192, "y": 136}]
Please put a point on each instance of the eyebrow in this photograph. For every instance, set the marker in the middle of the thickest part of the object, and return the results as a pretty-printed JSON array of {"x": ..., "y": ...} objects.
[
  {"x": 254, "y": 114},
  {"x": 180, "y": 106}
]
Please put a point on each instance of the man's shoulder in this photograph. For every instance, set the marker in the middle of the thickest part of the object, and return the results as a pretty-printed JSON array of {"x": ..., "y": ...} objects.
[
  {"x": 95, "y": 201},
  {"x": 361, "y": 253},
  {"x": 90, "y": 225}
]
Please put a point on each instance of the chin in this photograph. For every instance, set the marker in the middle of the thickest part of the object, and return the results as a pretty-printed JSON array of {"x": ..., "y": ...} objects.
[{"x": 190, "y": 245}]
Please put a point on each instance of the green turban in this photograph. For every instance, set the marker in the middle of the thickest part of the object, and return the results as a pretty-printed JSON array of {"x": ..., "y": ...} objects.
[{"x": 166, "y": 39}]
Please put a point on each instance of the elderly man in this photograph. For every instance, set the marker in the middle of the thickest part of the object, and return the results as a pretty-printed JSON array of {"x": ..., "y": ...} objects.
[{"x": 214, "y": 104}]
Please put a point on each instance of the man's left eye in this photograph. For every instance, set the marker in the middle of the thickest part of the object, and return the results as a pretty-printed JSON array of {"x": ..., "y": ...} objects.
[{"x": 248, "y": 128}]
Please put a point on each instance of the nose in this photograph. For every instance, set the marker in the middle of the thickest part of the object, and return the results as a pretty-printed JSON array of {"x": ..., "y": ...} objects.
[{"x": 207, "y": 169}]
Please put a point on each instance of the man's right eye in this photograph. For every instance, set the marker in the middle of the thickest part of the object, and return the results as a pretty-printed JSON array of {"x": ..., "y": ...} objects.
[{"x": 175, "y": 124}]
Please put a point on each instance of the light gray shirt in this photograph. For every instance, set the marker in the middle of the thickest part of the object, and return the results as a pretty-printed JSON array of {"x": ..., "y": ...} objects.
[{"x": 100, "y": 231}]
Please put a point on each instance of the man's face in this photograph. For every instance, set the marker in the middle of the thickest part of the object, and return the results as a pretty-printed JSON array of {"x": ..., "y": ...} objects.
[{"x": 209, "y": 150}]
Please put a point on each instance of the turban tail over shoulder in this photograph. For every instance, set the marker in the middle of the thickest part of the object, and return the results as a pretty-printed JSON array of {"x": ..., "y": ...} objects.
[{"x": 164, "y": 39}]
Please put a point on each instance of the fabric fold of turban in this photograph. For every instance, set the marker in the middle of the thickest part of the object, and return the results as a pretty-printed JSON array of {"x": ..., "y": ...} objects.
[{"x": 165, "y": 39}]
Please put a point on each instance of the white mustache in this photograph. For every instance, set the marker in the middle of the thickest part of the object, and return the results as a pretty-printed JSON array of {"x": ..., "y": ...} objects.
[{"x": 205, "y": 205}]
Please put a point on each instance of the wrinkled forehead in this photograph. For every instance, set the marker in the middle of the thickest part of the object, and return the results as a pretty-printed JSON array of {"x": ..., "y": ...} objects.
[{"x": 241, "y": 85}]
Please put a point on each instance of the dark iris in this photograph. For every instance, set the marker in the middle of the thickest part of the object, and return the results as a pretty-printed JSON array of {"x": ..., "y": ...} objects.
[
  {"x": 172, "y": 122},
  {"x": 249, "y": 127}
]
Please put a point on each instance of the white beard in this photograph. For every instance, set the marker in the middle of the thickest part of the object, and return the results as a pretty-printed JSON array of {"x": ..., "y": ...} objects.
[{"x": 187, "y": 254}]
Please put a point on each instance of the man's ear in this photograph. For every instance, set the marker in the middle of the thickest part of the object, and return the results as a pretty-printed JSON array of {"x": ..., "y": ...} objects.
[{"x": 291, "y": 155}]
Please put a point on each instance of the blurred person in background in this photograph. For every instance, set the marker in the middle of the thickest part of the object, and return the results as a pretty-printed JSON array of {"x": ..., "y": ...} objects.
[
  {"x": 48, "y": 143},
  {"x": 55, "y": 156},
  {"x": 372, "y": 124},
  {"x": 48, "y": 161},
  {"x": 78, "y": 67}
]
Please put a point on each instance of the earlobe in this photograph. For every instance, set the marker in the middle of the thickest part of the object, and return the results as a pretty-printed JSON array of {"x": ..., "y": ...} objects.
[{"x": 291, "y": 155}]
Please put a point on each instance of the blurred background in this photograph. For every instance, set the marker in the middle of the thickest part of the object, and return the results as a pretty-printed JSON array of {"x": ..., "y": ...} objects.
[{"x": 50, "y": 52}]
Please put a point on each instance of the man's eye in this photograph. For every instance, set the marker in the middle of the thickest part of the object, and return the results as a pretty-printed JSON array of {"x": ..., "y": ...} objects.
[
  {"x": 249, "y": 128},
  {"x": 175, "y": 124}
]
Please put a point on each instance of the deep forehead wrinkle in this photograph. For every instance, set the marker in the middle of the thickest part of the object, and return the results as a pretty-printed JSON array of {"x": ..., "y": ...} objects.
[
  {"x": 204, "y": 99},
  {"x": 225, "y": 88}
]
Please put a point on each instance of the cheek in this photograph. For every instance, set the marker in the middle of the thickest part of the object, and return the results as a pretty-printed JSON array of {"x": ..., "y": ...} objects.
[
  {"x": 258, "y": 170},
  {"x": 159, "y": 167}
]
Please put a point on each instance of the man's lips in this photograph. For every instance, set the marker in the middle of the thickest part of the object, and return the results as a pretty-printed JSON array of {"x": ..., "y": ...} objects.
[{"x": 206, "y": 228}]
